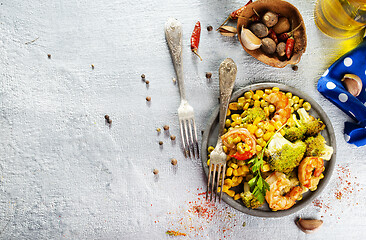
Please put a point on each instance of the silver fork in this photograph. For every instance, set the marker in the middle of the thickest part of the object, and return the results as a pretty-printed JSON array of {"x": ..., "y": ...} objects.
[
  {"x": 227, "y": 74},
  {"x": 188, "y": 132}
]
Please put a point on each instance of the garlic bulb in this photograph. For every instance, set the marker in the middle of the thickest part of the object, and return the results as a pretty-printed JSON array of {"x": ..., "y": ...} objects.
[
  {"x": 309, "y": 225},
  {"x": 352, "y": 83}
]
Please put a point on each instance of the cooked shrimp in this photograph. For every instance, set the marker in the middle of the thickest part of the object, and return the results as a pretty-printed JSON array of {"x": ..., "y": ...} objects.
[
  {"x": 283, "y": 108},
  {"x": 278, "y": 182},
  {"x": 309, "y": 171},
  {"x": 243, "y": 133}
]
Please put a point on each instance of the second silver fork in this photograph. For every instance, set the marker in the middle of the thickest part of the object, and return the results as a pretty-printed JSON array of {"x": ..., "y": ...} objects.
[{"x": 227, "y": 74}]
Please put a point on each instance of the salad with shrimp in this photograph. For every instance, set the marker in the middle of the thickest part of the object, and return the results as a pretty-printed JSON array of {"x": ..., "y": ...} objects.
[{"x": 275, "y": 150}]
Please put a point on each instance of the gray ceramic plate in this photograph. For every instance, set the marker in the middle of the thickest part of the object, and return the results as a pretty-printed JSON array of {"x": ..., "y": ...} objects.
[{"x": 210, "y": 138}]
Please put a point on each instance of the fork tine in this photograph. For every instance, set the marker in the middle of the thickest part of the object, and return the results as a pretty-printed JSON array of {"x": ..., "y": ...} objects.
[
  {"x": 182, "y": 135},
  {"x": 213, "y": 181},
  {"x": 218, "y": 179},
  {"x": 191, "y": 138},
  {"x": 222, "y": 180},
  {"x": 186, "y": 137},
  {"x": 209, "y": 180},
  {"x": 195, "y": 137}
]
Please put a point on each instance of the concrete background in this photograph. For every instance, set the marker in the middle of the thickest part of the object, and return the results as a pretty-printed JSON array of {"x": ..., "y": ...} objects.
[{"x": 65, "y": 174}]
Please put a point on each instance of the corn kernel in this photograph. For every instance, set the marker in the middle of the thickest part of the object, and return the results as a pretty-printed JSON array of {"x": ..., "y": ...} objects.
[
  {"x": 268, "y": 91},
  {"x": 233, "y": 165},
  {"x": 248, "y": 95},
  {"x": 246, "y": 106},
  {"x": 278, "y": 125},
  {"x": 235, "y": 116},
  {"x": 258, "y": 148},
  {"x": 240, "y": 172},
  {"x": 259, "y": 133},
  {"x": 260, "y": 125},
  {"x": 259, "y": 93},
  {"x": 225, "y": 130},
  {"x": 296, "y": 106},
  {"x": 210, "y": 149},
  {"x": 228, "y": 113},
  {"x": 233, "y": 106},
  {"x": 241, "y": 163},
  {"x": 296, "y": 99},
  {"x": 275, "y": 89},
  {"x": 231, "y": 193},
  {"x": 266, "y": 167},
  {"x": 267, "y": 136},
  {"x": 245, "y": 168},
  {"x": 227, "y": 123},
  {"x": 271, "y": 108},
  {"x": 257, "y": 120},
  {"x": 218, "y": 189},
  {"x": 237, "y": 196},
  {"x": 229, "y": 172},
  {"x": 289, "y": 95},
  {"x": 228, "y": 158},
  {"x": 252, "y": 128},
  {"x": 321, "y": 176},
  {"x": 301, "y": 101},
  {"x": 241, "y": 100},
  {"x": 256, "y": 97},
  {"x": 240, "y": 179},
  {"x": 263, "y": 144},
  {"x": 306, "y": 106},
  {"x": 257, "y": 103},
  {"x": 228, "y": 182},
  {"x": 235, "y": 178},
  {"x": 208, "y": 162},
  {"x": 240, "y": 105},
  {"x": 225, "y": 149},
  {"x": 266, "y": 110},
  {"x": 235, "y": 172},
  {"x": 225, "y": 188},
  {"x": 282, "y": 132}
]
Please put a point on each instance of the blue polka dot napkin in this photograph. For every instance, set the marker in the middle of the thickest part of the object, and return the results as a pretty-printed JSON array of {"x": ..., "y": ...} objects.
[{"x": 330, "y": 85}]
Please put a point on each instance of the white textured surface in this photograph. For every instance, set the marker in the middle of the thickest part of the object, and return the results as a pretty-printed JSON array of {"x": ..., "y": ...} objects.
[{"x": 65, "y": 174}]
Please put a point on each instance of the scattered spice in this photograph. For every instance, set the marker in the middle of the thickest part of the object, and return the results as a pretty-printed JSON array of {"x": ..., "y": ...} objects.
[
  {"x": 174, "y": 80},
  {"x": 106, "y": 117},
  {"x": 228, "y": 31},
  {"x": 161, "y": 143},
  {"x": 209, "y": 28},
  {"x": 172, "y": 137},
  {"x": 175, "y": 233},
  {"x": 110, "y": 121},
  {"x": 32, "y": 40},
  {"x": 174, "y": 161},
  {"x": 147, "y": 81},
  {"x": 148, "y": 99},
  {"x": 49, "y": 56},
  {"x": 208, "y": 75},
  {"x": 166, "y": 127},
  {"x": 158, "y": 130},
  {"x": 92, "y": 66},
  {"x": 155, "y": 171},
  {"x": 295, "y": 67},
  {"x": 143, "y": 76},
  {"x": 244, "y": 224},
  {"x": 199, "y": 209}
]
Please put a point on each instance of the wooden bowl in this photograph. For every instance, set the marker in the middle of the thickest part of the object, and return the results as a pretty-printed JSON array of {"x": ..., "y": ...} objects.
[{"x": 284, "y": 9}]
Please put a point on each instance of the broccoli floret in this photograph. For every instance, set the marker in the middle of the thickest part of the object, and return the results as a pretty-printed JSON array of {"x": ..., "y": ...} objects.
[
  {"x": 296, "y": 131},
  {"x": 313, "y": 126},
  {"x": 316, "y": 147},
  {"x": 249, "y": 200},
  {"x": 251, "y": 114},
  {"x": 285, "y": 155}
]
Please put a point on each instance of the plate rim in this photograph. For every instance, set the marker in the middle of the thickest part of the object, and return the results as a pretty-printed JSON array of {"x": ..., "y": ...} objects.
[{"x": 331, "y": 163}]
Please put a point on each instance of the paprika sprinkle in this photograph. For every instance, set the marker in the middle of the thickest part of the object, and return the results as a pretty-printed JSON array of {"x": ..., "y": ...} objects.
[{"x": 195, "y": 38}]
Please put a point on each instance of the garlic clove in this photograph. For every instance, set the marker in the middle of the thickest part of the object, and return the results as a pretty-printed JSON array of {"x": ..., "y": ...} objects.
[
  {"x": 309, "y": 225},
  {"x": 250, "y": 41},
  {"x": 352, "y": 83}
]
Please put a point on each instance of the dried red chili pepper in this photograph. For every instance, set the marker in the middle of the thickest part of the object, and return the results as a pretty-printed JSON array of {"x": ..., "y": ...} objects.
[
  {"x": 195, "y": 38},
  {"x": 234, "y": 15},
  {"x": 290, "y": 47},
  {"x": 273, "y": 35},
  {"x": 284, "y": 36}
]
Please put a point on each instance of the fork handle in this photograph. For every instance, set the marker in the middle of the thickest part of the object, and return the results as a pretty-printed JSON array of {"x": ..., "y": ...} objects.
[
  {"x": 227, "y": 74},
  {"x": 173, "y": 35}
]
